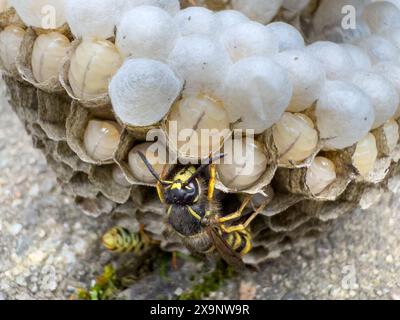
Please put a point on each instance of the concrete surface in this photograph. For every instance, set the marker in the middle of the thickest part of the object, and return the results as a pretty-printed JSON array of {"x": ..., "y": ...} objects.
[{"x": 47, "y": 247}]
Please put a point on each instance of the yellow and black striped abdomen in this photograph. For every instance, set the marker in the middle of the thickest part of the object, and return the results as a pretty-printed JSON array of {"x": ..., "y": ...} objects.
[
  {"x": 239, "y": 241},
  {"x": 119, "y": 239}
]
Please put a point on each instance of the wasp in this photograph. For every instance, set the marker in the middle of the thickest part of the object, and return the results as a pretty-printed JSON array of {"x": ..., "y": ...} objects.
[
  {"x": 120, "y": 239},
  {"x": 195, "y": 215}
]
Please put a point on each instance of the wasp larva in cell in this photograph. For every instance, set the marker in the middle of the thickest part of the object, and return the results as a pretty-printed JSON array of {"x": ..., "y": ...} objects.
[
  {"x": 320, "y": 175},
  {"x": 365, "y": 155},
  {"x": 138, "y": 167},
  {"x": 242, "y": 168},
  {"x": 10, "y": 43},
  {"x": 391, "y": 131},
  {"x": 202, "y": 125},
  {"x": 47, "y": 55},
  {"x": 295, "y": 137},
  {"x": 93, "y": 64},
  {"x": 101, "y": 139}
]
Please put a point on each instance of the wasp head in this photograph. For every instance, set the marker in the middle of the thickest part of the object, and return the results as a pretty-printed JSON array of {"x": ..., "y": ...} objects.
[
  {"x": 185, "y": 187},
  {"x": 183, "y": 190}
]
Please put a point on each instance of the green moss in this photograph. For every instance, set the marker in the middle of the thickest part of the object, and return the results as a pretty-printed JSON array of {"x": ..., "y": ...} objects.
[
  {"x": 210, "y": 282},
  {"x": 105, "y": 287},
  {"x": 165, "y": 260},
  {"x": 111, "y": 282}
]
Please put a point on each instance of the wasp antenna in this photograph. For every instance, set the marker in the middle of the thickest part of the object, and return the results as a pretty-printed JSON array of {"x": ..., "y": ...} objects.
[
  {"x": 203, "y": 167},
  {"x": 217, "y": 157},
  {"x": 150, "y": 167}
]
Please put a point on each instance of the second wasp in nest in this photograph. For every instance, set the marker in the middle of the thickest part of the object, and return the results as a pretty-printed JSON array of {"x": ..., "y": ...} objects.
[
  {"x": 120, "y": 239},
  {"x": 194, "y": 212}
]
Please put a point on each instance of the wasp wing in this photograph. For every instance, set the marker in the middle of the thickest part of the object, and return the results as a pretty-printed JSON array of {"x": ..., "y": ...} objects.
[{"x": 226, "y": 252}]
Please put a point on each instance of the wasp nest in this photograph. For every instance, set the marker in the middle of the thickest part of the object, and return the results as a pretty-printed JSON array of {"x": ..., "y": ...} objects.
[{"x": 317, "y": 123}]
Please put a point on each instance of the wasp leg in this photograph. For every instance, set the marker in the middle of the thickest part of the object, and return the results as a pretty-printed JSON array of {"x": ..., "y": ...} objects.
[
  {"x": 211, "y": 189},
  {"x": 174, "y": 261},
  {"x": 145, "y": 237},
  {"x": 160, "y": 192},
  {"x": 211, "y": 183},
  {"x": 237, "y": 214},
  {"x": 243, "y": 226}
]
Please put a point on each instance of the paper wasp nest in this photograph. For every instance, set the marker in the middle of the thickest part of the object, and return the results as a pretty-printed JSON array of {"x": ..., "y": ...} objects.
[{"x": 325, "y": 115}]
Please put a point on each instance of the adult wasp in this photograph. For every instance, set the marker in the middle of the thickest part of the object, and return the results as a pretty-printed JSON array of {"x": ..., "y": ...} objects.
[
  {"x": 195, "y": 214},
  {"x": 120, "y": 239}
]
